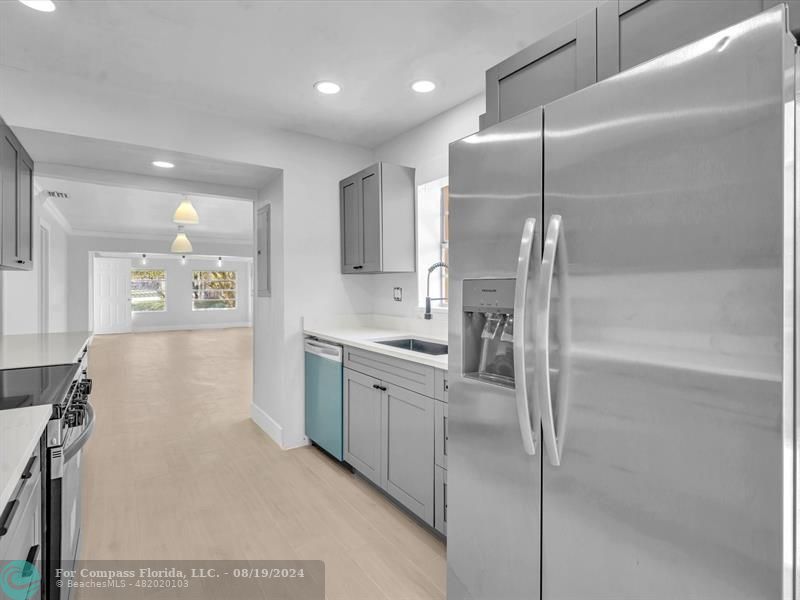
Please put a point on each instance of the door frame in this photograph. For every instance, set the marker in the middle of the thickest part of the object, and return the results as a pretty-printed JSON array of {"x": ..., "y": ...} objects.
[{"x": 44, "y": 277}]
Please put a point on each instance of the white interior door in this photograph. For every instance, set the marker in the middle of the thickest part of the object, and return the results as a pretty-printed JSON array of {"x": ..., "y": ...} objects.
[{"x": 112, "y": 292}]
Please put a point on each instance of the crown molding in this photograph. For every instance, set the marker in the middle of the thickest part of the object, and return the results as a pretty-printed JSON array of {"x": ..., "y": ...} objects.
[{"x": 49, "y": 206}]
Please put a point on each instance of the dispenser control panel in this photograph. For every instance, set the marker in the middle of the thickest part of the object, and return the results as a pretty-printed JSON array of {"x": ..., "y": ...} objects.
[{"x": 489, "y": 295}]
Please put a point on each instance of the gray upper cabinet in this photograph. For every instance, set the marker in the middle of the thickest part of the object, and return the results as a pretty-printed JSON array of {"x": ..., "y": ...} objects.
[
  {"x": 16, "y": 202},
  {"x": 408, "y": 471},
  {"x": 380, "y": 194},
  {"x": 555, "y": 66},
  {"x": 630, "y": 32},
  {"x": 363, "y": 419}
]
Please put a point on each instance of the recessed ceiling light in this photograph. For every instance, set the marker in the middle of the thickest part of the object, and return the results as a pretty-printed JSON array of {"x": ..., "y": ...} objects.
[
  {"x": 423, "y": 86},
  {"x": 40, "y": 5},
  {"x": 327, "y": 87},
  {"x": 162, "y": 164}
]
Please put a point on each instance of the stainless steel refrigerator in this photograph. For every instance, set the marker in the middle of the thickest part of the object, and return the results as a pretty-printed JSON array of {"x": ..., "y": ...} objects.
[{"x": 622, "y": 330}]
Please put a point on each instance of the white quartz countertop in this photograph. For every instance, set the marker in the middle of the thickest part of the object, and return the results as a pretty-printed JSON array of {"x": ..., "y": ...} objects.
[
  {"x": 366, "y": 338},
  {"x": 38, "y": 350},
  {"x": 20, "y": 430}
]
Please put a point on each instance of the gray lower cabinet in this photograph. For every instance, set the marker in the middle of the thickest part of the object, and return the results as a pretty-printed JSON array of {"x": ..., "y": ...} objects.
[
  {"x": 16, "y": 202},
  {"x": 377, "y": 220},
  {"x": 563, "y": 62},
  {"x": 440, "y": 433},
  {"x": 440, "y": 492},
  {"x": 21, "y": 523},
  {"x": 409, "y": 450},
  {"x": 390, "y": 431},
  {"x": 363, "y": 420}
]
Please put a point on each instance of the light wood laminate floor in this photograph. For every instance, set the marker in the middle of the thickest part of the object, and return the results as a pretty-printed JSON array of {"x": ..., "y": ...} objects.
[{"x": 177, "y": 470}]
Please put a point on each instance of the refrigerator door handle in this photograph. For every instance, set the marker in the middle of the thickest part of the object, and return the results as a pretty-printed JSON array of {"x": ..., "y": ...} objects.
[
  {"x": 554, "y": 417},
  {"x": 526, "y": 425}
]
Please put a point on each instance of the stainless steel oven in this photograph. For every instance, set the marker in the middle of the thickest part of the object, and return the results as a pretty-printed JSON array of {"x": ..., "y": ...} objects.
[{"x": 68, "y": 430}]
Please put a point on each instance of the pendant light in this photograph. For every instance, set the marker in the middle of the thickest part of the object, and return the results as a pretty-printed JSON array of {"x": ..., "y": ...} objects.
[
  {"x": 181, "y": 243},
  {"x": 186, "y": 214}
]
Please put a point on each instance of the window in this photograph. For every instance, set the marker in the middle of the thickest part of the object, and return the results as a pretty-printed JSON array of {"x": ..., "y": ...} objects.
[
  {"x": 433, "y": 237},
  {"x": 213, "y": 290},
  {"x": 148, "y": 290}
]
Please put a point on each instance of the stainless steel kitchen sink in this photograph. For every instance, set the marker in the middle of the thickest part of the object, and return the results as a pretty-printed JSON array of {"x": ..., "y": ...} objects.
[{"x": 416, "y": 345}]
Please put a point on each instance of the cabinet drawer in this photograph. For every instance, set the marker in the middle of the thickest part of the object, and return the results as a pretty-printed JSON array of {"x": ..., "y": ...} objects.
[
  {"x": 440, "y": 487},
  {"x": 406, "y": 374},
  {"x": 440, "y": 433},
  {"x": 442, "y": 386}
]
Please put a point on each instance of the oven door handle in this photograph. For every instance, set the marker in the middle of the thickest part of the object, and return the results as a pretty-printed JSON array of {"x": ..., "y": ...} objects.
[{"x": 79, "y": 442}]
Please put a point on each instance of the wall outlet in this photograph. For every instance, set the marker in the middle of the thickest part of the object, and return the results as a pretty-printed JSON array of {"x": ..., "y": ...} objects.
[{"x": 397, "y": 294}]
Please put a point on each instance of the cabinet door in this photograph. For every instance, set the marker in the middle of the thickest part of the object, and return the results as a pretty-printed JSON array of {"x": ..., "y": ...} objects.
[
  {"x": 440, "y": 438},
  {"x": 351, "y": 223},
  {"x": 440, "y": 481},
  {"x": 362, "y": 424},
  {"x": 408, "y": 470},
  {"x": 9, "y": 190},
  {"x": 263, "y": 257},
  {"x": 555, "y": 66},
  {"x": 630, "y": 32},
  {"x": 24, "y": 212},
  {"x": 369, "y": 182}
]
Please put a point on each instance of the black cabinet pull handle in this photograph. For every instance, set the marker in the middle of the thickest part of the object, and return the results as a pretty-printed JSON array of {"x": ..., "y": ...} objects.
[
  {"x": 21, "y": 262},
  {"x": 358, "y": 267},
  {"x": 376, "y": 386},
  {"x": 8, "y": 515},
  {"x": 28, "y": 472},
  {"x": 33, "y": 553},
  {"x": 382, "y": 388}
]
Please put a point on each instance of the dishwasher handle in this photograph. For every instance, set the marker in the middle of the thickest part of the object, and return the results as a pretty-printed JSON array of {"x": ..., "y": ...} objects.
[{"x": 323, "y": 349}]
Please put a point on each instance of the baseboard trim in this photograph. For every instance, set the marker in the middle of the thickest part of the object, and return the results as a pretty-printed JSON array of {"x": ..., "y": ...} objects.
[
  {"x": 269, "y": 425},
  {"x": 274, "y": 430},
  {"x": 191, "y": 327}
]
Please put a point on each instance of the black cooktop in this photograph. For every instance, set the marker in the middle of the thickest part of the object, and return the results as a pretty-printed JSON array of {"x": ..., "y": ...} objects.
[{"x": 35, "y": 386}]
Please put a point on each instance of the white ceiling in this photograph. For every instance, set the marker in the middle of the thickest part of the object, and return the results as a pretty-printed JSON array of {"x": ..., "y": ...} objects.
[
  {"x": 110, "y": 210},
  {"x": 257, "y": 61}
]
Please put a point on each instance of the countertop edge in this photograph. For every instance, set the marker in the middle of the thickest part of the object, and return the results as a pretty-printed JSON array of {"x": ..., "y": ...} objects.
[
  {"x": 14, "y": 476},
  {"x": 436, "y": 362},
  {"x": 23, "y": 351}
]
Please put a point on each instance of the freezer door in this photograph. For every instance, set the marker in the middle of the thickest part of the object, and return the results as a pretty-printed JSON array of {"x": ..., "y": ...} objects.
[
  {"x": 673, "y": 184},
  {"x": 493, "y": 497}
]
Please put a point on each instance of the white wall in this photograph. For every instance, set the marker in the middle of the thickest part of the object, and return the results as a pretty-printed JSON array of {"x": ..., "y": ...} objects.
[
  {"x": 426, "y": 149},
  {"x": 79, "y": 265},
  {"x": 21, "y": 301},
  {"x": 179, "y": 313}
]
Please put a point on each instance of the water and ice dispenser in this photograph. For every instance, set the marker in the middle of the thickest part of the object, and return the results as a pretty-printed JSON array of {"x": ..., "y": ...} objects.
[{"x": 488, "y": 352}]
